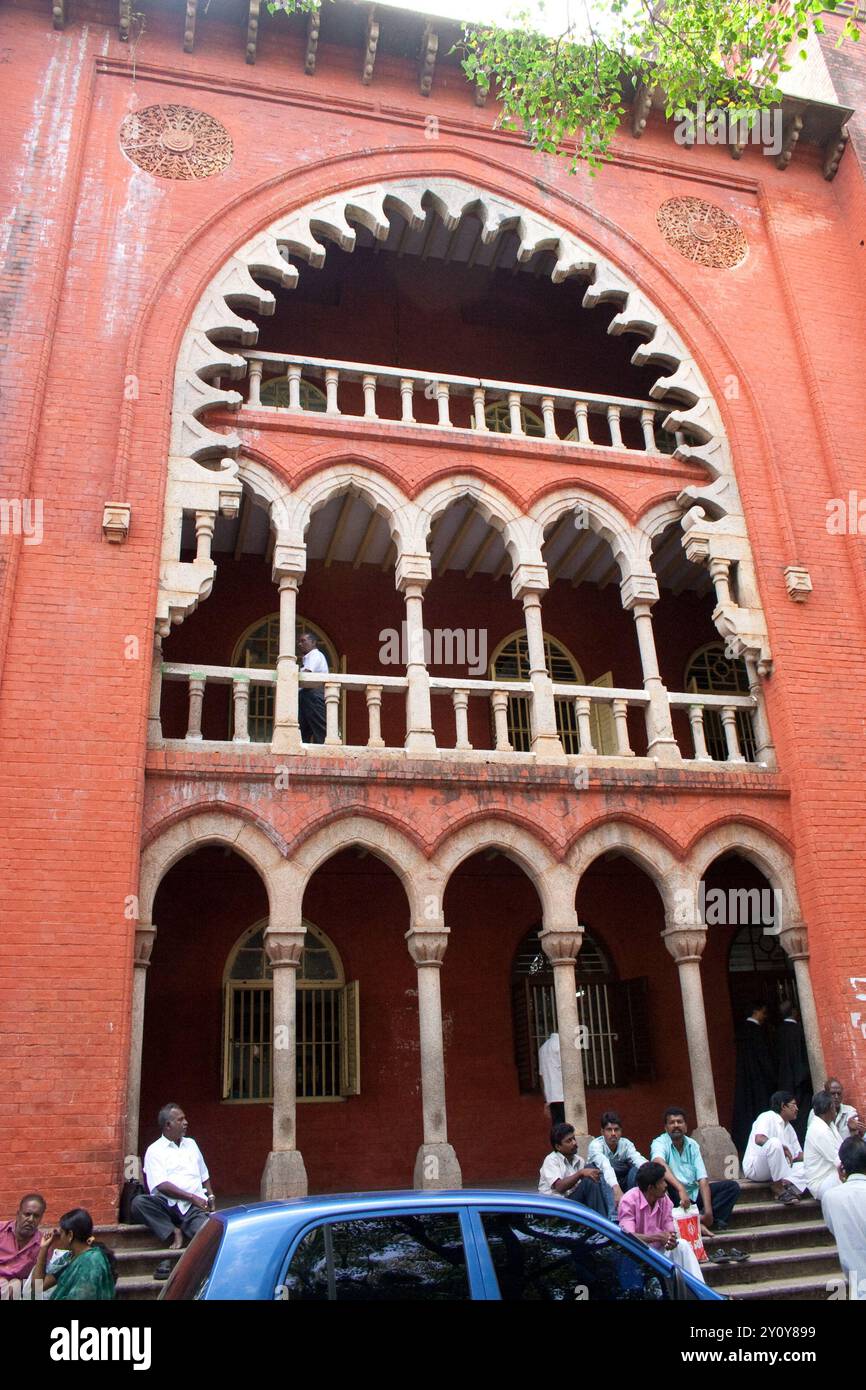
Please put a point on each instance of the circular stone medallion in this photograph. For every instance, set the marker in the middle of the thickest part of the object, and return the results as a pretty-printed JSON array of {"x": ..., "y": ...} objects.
[
  {"x": 176, "y": 142},
  {"x": 702, "y": 232}
]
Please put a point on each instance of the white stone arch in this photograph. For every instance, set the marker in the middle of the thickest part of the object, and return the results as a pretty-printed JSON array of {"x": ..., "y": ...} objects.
[
  {"x": 758, "y": 847},
  {"x": 493, "y": 505},
  {"x": 640, "y": 846},
  {"x": 218, "y": 828},
  {"x": 380, "y": 494},
  {"x": 603, "y": 518},
  {"x": 517, "y": 843},
  {"x": 387, "y": 842},
  {"x": 652, "y": 523},
  {"x": 304, "y": 233}
]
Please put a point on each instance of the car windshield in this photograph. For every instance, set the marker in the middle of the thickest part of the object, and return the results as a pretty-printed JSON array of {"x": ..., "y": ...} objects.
[{"x": 191, "y": 1274}]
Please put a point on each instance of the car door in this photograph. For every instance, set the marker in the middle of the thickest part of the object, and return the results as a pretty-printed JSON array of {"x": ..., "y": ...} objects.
[
  {"x": 378, "y": 1256},
  {"x": 535, "y": 1254}
]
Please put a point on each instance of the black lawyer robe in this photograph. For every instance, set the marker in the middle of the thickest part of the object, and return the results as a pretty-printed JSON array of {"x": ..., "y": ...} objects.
[
  {"x": 794, "y": 1074},
  {"x": 755, "y": 1080}
]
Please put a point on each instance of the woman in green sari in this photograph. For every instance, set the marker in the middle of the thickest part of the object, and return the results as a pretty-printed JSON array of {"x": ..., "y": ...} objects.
[{"x": 87, "y": 1270}]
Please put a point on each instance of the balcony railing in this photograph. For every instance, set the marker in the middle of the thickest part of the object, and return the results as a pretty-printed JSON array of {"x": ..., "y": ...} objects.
[
  {"x": 615, "y": 701},
  {"x": 359, "y": 390}
]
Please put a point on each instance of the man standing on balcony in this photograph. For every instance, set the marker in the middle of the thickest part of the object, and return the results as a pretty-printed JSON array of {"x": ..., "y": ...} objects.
[{"x": 311, "y": 700}]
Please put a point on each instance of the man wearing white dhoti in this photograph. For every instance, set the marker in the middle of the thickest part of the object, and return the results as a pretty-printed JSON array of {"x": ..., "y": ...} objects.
[
  {"x": 821, "y": 1150},
  {"x": 844, "y": 1210},
  {"x": 773, "y": 1153}
]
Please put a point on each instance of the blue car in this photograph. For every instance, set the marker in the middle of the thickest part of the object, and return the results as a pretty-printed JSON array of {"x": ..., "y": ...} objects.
[{"x": 452, "y": 1246}]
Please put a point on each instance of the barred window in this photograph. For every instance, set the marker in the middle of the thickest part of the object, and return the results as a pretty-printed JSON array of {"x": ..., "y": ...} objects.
[
  {"x": 511, "y": 663},
  {"x": 326, "y": 1022},
  {"x": 614, "y": 1013},
  {"x": 498, "y": 420},
  {"x": 276, "y": 392},
  {"x": 711, "y": 672}
]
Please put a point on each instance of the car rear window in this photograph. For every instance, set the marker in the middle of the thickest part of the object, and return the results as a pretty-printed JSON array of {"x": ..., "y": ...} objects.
[
  {"x": 191, "y": 1275},
  {"x": 540, "y": 1258}
]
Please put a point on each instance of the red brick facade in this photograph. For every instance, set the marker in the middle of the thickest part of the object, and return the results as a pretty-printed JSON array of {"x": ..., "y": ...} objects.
[{"x": 103, "y": 266}]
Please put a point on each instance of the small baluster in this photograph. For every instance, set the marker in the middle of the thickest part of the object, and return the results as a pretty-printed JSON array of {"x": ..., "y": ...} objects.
[
  {"x": 620, "y": 717},
  {"x": 647, "y": 424},
  {"x": 680, "y": 438},
  {"x": 369, "y": 385},
  {"x": 461, "y": 718},
  {"x": 548, "y": 417},
  {"x": 478, "y": 397},
  {"x": 241, "y": 696},
  {"x": 499, "y": 701},
  {"x": 581, "y": 709},
  {"x": 613, "y": 413},
  {"x": 441, "y": 389},
  {"x": 204, "y": 528},
  {"x": 294, "y": 387},
  {"x": 196, "y": 699},
  {"x": 332, "y": 380},
  {"x": 515, "y": 414},
  {"x": 407, "y": 387},
  {"x": 255, "y": 396},
  {"x": 332, "y": 713},
  {"x": 581, "y": 412},
  {"x": 696, "y": 719},
  {"x": 374, "y": 717},
  {"x": 732, "y": 735}
]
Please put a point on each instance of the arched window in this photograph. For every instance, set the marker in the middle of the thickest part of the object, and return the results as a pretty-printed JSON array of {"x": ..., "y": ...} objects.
[
  {"x": 614, "y": 1015},
  {"x": 276, "y": 392},
  {"x": 326, "y": 1022},
  {"x": 511, "y": 663},
  {"x": 498, "y": 418},
  {"x": 710, "y": 672},
  {"x": 258, "y": 649},
  {"x": 759, "y": 968}
]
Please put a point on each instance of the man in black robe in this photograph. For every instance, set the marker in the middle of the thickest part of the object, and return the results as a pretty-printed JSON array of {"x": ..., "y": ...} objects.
[
  {"x": 756, "y": 1075},
  {"x": 794, "y": 1074}
]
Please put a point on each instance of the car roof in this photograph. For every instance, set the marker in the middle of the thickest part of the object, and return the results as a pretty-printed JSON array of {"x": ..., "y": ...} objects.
[{"x": 348, "y": 1202}]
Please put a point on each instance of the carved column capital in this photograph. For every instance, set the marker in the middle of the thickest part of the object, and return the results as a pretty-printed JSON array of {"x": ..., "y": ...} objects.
[
  {"x": 562, "y": 946},
  {"x": 639, "y": 590},
  {"x": 289, "y": 563},
  {"x": 284, "y": 948},
  {"x": 145, "y": 934},
  {"x": 795, "y": 941},
  {"x": 412, "y": 571},
  {"x": 427, "y": 947},
  {"x": 685, "y": 943}
]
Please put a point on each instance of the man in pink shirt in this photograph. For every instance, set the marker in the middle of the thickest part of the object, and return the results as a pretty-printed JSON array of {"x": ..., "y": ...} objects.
[
  {"x": 646, "y": 1212},
  {"x": 19, "y": 1239}
]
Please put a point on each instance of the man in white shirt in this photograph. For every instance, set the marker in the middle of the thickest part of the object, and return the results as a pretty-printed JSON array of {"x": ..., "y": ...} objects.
[
  {"x": 821, "y": 1150},
  {"x": 563, "y": 1172},
  {"x": 847, "y": 1122},
  {"x": 311, "y": 699},
  {"x": 844, "y": 1210},
  {"x": 773, "y": 1153},
  {"x": 180, "y": 1190},
  {"x": 550, "y": 1071},
  {"x": 617, "y": 1158}
]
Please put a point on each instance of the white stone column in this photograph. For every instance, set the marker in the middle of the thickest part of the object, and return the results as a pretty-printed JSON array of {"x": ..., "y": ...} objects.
[
  {"x": 528, "y": 582},
  {"x": 639, "y": 592},
  {"x": 284, "y": 1174},
  {"x": 562, "y": 946},
  {"x": 436, "y": 1164},
  {"x": 288, "y": 571},
  {"x": 145, "y": 933},
  {"x": 795, "y": 943},
  {"x": 686, "y": 945},
  {"x": 154, "y": 721},
  {"x": 764, "y": 749},
  {"x": 412, "y": 577}
]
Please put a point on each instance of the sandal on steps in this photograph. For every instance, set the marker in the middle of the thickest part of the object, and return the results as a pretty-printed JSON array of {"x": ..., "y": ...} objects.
[{"x": 163, "y": 1269}]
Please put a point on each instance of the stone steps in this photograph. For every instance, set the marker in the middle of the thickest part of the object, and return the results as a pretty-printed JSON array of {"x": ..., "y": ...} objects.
[
  {"x": 137, "y": 1257},
  {"x": 792, "y": 1254}
]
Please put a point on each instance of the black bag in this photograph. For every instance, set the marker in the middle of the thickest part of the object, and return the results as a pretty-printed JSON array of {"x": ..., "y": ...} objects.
[{"x": 131, "y": 1189}]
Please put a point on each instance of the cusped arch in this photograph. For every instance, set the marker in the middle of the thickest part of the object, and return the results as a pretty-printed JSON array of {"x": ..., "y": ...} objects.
[
  {"x": 517, "y": 531},
  {"x": 385, "y": 840},
  {"x": 761, "y": 849},
  {"x": 636, "y": 843},
  {"x": 516, "y": 842},
  {"x": 196, "y": 831},
  {"x": 379, "y": 492},
  {"x": 601, "y": 516}
]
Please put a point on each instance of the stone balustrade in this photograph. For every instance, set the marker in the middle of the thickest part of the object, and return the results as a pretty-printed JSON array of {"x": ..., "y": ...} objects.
[
  {"x": 431, "y": 400},
  {"x": 583, "y": 700}
]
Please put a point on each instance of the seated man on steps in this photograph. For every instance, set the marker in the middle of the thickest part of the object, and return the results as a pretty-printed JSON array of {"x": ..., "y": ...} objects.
[
  {"x": 821, "y": 1149},
  {"x": 646, "y": 1212},
  {"x": 687, "y": 1177},
  {"x": 773, "y": 1152},
  {"x": 180, "y": 1191},
  {"x": 563, "y": 1172},
  {"x": 617, "y": 1158}
]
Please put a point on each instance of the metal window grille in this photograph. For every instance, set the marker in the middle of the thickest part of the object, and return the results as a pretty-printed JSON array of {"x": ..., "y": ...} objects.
[{"x": 710, "y": 672}]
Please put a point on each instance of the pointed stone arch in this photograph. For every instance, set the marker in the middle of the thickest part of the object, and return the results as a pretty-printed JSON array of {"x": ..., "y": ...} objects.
[
  {"x": 761, "y": 849},
  {"x": 639, "y": 845},
  {"x": 516, "y": 842},
  {"x": 384, "y": 840}
]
